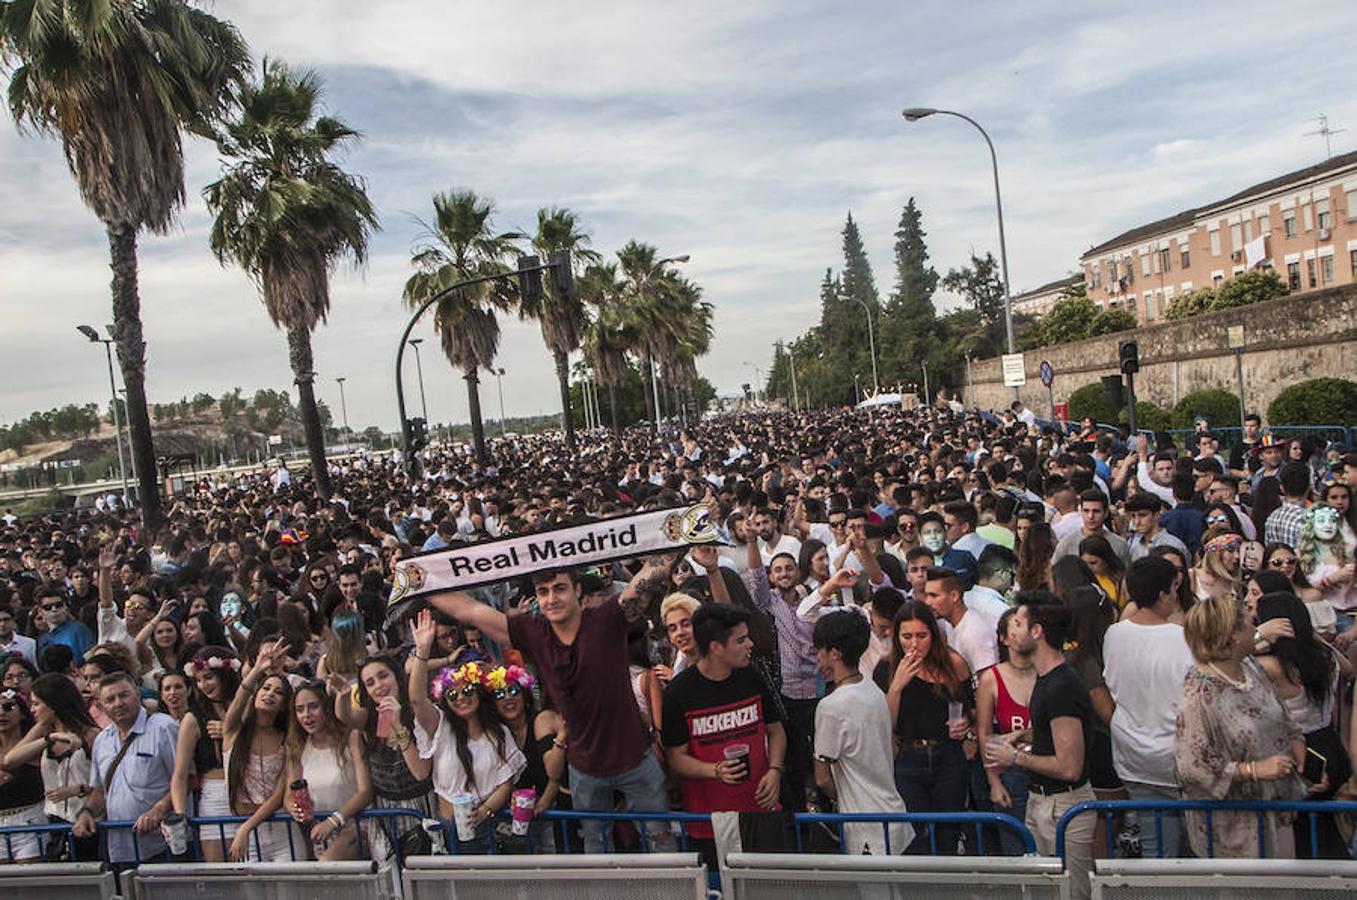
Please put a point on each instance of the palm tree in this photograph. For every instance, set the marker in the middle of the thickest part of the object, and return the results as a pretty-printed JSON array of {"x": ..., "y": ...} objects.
[
  {"x": 118, "y": 82},
  {"x": 686, "y": 327},
  {"x": 606, "y": 338},
  {"x": 462, "y": 245},
  {"x": 647, "y": 278},
  {"x": 562, "y": 318},
  {"x": 286, "y": 214}
]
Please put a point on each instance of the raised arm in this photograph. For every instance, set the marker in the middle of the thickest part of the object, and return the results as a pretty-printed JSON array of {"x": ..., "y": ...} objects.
[
  {"x": 235, "y": 714},
  {"x": 643, "y": 587},
  {"x": 465, "y": 609},
  {"x": 28, "y": 749},
  {"x": 426, "y": 714},
  {"x": 107, "y": 557}
]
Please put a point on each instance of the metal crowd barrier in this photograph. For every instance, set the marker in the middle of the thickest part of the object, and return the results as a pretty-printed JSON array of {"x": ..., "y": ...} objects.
[
  {"x": 69, "y": 881},
  {"x": 651, "y": 876},
  {"x": 357, "y": 880},
  {"x": 1309, "y": 810},
  {"x": 778, "y": 876},
  {"x": 1222, "y": 879},
  {"x": 980, "y": 821}
]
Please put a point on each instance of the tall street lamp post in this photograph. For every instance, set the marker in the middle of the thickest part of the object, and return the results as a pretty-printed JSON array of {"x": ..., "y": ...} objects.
[
  {"x": 344, "y": 410},
  {"x": 871, "y": 343},
  {"x": 914, "y": 114},
  {"x": 419, "y": 370},
  {"x": 94, "y": 338},
  {"x": 499, "y": 381}
]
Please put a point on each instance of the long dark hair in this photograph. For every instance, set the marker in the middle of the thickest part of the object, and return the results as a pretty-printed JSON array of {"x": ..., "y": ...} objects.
[
  {"x": 365, "y": 700},
  {"x": 1068, "y": 574},
  {"x": 249, "y": 724},
  {"x": 491, "y": 723},
  {"x": 1034, "y": 555},
  {"x": 63, "y": 699},
  {"x": 808, "y": 551},
  {"x": 1091, "y": 614},
  {"x": 200, "y": 705},
  {"x": 1184, "y": 566},
  {"x": 1303, "y": 657},
  {"x": 938, "y": 661},
  {"x": 211, "y": 628}
]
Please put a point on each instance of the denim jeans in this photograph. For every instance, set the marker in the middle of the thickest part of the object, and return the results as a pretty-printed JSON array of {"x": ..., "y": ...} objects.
[
  {"x": 1149, "y": 832},
  {"x": 1015, "y": 781},
  {"x": 933, "y": 779},
  {"x": 644, "y": 791}
]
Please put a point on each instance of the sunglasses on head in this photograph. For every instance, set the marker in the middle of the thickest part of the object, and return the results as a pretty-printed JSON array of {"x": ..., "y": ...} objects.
[{"x": 511, "y": 690}]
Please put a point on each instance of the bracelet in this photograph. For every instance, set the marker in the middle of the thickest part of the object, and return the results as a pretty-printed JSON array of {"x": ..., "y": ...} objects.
[
  {"x": 777, "y": 768},
  {"x": 84, "y": 809},
  {"x": 421, "y": 658},
  {"x": 556, "y": 743},
  {"x": 1014, "y": 761},
  {"x": 716, "y": 771},
  {"x": 339, "y": 816}
]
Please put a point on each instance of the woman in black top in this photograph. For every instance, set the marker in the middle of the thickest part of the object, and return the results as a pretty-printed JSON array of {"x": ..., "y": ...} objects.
[
  {"x": 923, "y": 679},
  {"x": 538, "y": 735},
  {"x": 198, "y": 765},
  {"x": 21, "y": 791}
]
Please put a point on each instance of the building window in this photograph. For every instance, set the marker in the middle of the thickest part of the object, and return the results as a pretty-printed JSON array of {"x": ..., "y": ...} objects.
[
  {"x": 1325, "y": 219},
  {"x": 1149, "y": 306},
  {"x": 1217, "y": 278},
  {"x": 1307, "y": 215},
  {"x": 1326, "y": 269},
  {"x": 1289, "y": 223},
  {"x": 1215, "y": 242},
  {"x": 1264, "y": 224},
  {"x": 1352, "y": 263},
  {"x": 1164, "y": 260},
  {"x": 1293, "y": 275},
  {"x": 1310, "y": 271},
  {"x": 1236, "y": 241},
  {"x": 1131, "y": 305},
  {"x": 1352, "y": 205},
  {"x": 1248, "y": 230},
  {"x": 1144, "y": 263},
  {"x": 1186, "y": 257}
]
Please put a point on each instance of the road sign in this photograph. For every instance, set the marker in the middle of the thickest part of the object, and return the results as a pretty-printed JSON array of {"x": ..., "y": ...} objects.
[
  {"x": 275, "y": 440},
  {"x": 1235, "y": 337},
  {"x": 1015, "y": 371},
  {"x": 1047, "y": 373},
  {"x": 1062, "y": 412}
]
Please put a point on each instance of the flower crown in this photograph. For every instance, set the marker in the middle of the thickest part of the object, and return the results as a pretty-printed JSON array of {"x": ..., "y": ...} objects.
[
  {"x": 1224, "y": 542},
  {"x": 12, "y": 694},
  {"x": 207, "y": 663},
  {"x": 499, "y": 678},
  {"x": 469, "y": 673}
]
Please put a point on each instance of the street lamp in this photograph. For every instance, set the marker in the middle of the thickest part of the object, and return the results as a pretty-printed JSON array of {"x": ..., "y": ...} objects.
[
  {"x": 871, "y": 343},
  {"x": 419, "y": 368},
  {"x": 927, "y": 397},
  {"x": 857, "y": 389},
  {"x": 499, "y": 380},
  {"x": 758, "y": 382},
  {"x": 914, "y": 114},
  {"x": 344, "y": 410},
  {"x": 94, "y": 338}
]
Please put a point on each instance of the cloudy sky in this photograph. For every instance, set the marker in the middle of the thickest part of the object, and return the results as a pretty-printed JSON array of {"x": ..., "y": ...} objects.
[{"x": 738, "y": 133}]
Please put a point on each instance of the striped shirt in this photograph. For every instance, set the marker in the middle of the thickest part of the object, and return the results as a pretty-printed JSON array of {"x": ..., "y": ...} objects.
[{"x": 796, "y": 652}]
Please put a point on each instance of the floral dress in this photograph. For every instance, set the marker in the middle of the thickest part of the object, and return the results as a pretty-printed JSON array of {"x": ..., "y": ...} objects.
[{"x": 1220, "y": 725}]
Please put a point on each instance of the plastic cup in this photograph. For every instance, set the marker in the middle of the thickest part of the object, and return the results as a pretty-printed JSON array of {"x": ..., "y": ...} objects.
[
  {"x": 174, "y": 828},
  {"x": 998, "y": 742},
  {"x": 524, "y": 801},
  {"x": 739, "y": 753},
  {"x": 462, "y": 805}
]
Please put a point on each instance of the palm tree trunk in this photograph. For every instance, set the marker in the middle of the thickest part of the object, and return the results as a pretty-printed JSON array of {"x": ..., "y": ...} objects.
[
  {"x": 648, "y": 388},
  {"x": 299, "y": 356},
  {"x": 122, "y": 248},
  {"x": 563, "y": 379},
  {"x": 612, "y": 408},
  {"x": 473, "y": 396}
]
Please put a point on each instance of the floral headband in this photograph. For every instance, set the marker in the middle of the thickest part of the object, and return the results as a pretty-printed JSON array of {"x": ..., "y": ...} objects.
[
  {"x": 499, "y": 678},
  {"x": 470, "y": 673},
  {"x": 209, "y": 663},
  {"x": 1223, "y": 543}
]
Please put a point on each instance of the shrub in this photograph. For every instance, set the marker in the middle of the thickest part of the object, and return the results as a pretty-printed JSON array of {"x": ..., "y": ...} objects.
[
  {"x": 1091, "y": 400},
  {"x": 1218, "y": 407},
  {"x": 1249, "y": 287},
  {"x": 1149, "y": 416},
  {"x": 1319, "y": 401},
  {"x": 1069, "y": 320}
]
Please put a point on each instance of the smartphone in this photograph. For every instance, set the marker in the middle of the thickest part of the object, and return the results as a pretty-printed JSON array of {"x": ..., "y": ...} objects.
[
  {"x": 1316, "y": 765},
  {"x": 1251, "y": 556}
]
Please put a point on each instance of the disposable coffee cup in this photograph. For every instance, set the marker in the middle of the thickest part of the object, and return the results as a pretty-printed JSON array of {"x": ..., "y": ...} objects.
[
  {"x": 524, "y": 801},
  {"x": 462, "y": 805},
  {"x": 739, "y": 753},
  {"x": 174, "y": 828}
]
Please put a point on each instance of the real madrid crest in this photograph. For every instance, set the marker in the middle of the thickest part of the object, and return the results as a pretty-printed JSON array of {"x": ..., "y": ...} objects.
[
  {"x": 690, "y": 526},
  {"x": 409, "y": 577}
]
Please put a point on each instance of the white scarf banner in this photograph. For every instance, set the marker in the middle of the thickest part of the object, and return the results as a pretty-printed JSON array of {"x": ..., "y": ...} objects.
[{"x": 593, "y": 543}]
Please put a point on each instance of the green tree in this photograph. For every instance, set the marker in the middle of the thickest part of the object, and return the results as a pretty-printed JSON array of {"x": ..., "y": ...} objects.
[
  {"x": 287, "y": 215},
  {"x": 462, "y": 244},
  {"x": 1091, "y": 401},
  {"x": 1190, "y": 304},
  {"x": 1253, "y": 286},
  {"x": 1319, "y": 401},
  {"x": 562, "y": 317},
  {"x": 1069, "y": 320},
  {"x": 909, "y": 330},
  {"x": 1217, "y": 406},
  {"x": 606, "y": 340},
  {"x": 650, "y": 286},
  {"x": 1110, "y": 321},
  {"x": 855, "y": 298},
  {"x": 982, "y": 287},
  {"x": 119, "y": 82}
]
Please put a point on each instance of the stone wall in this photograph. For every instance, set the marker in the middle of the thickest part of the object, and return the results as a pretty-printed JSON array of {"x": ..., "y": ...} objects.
[{"x": 1287, "y": 340}]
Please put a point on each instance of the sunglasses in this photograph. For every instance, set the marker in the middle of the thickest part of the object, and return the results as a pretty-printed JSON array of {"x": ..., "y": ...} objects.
[
  {"x": 512, "y": 690},
  {"x": 1216, "y": 520},
  {"x": 319, "y": 579},
  {"x": 51, "y": 606},
  {"x": 466, "y": 690},
  {"x": 1282, "y": 562},
  {"x": 839, "y": 524}
]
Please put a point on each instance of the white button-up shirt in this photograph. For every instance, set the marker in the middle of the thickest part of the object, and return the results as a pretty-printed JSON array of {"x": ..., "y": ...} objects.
[{"x": 142, "y": 778}]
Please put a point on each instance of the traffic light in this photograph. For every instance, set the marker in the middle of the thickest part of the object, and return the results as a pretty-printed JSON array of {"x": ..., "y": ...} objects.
[
  {"x": 562, "y": 278},
  {"x": 419, "y": 433},
  {"x": 1112, "y": 385},
  {"x": 529, "y": 279},
  {"x": 1128, "y": 352}
]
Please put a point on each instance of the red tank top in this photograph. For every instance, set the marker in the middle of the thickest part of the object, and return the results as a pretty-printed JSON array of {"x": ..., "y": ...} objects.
[{"x": 1008, "y": 713}]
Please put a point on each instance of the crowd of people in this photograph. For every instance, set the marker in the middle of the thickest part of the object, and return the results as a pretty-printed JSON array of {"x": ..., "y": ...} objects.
[{"x": 925, "y": 611}]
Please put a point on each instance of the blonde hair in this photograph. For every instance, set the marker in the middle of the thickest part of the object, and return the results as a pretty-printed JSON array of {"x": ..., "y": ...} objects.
[
  {"x": 674, "y": 601},
  {"x": 1210, "y": 626}
]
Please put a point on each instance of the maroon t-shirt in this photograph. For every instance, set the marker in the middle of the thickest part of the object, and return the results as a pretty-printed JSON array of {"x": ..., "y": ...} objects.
[{"x": 590, "y": 686}]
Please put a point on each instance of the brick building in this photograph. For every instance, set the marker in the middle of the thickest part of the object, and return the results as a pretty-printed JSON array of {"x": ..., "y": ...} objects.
[
  {"x": 1038, "y": 302},
  {"x": 1303, "y": 225}
]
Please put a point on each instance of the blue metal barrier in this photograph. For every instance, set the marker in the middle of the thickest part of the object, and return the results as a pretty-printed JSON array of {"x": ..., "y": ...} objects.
[
  {"x": 10, "y": 832},
  {"x": 1312, "y": 809},
  {"x": 979, "y": 820}
]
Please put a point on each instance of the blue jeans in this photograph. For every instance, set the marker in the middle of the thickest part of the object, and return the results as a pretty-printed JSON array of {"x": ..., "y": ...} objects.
[
  {"x": 1015, "y": 781},
  {"x": 1149, "y": 832},
  {"x": 933, "y": 779},
  {"x": 644, "y": 791}
]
